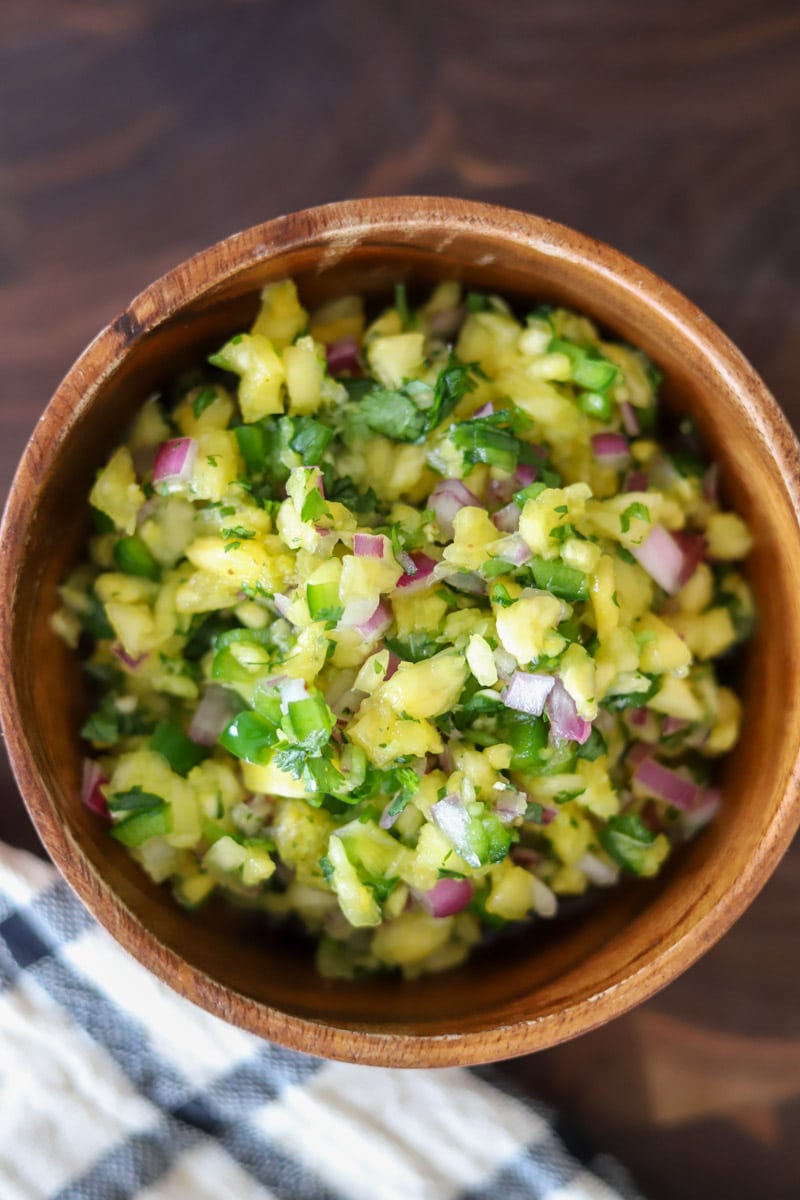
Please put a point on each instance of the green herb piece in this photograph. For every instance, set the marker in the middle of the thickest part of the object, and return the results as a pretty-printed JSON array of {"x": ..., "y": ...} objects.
[
  {"x": 635, "y": 511},
  {"x": 551, "y": 575},
  {"x": 101, "y": 521},
  {"x": 179, "y": 750},
  {"x": 94, "y": 619},
  {"x": 313, "y": 506},
  {"x": 499, "y": 595},
  {"x": 401, "y": 304},
  {"x": 323, "y": 601},
  {"x": 478, "y": 302},
  {"x": 310, "y": 440},
  {"x": 311, "y": 721},
  {"x": 590, "y": 369},
  {"x": 202, "y": 400},
  {"x": 252, "y": 447},
  {"x": 251, "y": 737},
  {"x": 594, "y": 747},
  {"x": 628, "y": 841},
  {"x": 102, "y": 726},
  {"x": 140, "y": 827},
  {"x": 134, "y": 800},
  {"x": 415, "y": 647}
]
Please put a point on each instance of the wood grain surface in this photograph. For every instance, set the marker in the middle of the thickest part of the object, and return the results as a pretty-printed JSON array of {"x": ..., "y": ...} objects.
[{"x": 132, "y": 134}]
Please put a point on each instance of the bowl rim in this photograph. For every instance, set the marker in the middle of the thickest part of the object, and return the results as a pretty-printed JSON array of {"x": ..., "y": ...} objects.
[{"x": 342, "y": 223}]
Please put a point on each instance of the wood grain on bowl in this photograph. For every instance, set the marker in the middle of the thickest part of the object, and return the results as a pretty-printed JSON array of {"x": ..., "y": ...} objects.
[{"x": 514, "y": 997}]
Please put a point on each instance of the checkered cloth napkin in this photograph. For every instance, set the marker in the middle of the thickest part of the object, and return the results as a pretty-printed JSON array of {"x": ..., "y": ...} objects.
[{"x": 112, "y": 1086}]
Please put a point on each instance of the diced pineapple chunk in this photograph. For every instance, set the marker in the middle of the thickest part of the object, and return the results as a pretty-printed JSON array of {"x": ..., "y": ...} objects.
[
  {"x": 511, "y": 895},
  {"x": 526, "y": 628},
  {"x": 301, "y": 836},
  {"x": 428, "y": 688},
  {"x": 577, "y": 673},
  {"x": 725, "y": 731},
  {"x": 355, "y": 899},
  {"x": 728, "y": 537},
  {"x": 281, "y": 315},
  {"x": 304, "y": 372},
  {"x": 474, "y": 533},
  {"x": 570, "y": 834},
  {"x": 605, "y": 600},
  {"x": 254, "y": 359},
  {"x": 384, "y": 736},
  {"x": 706, "y": 634},
  {"x": 116, "y": 492},
  {"x": 662, "y": 649},
  {"x": 548, "y": 513},
  {"x": 218, "y": 464},
  {"x": 396, "y": 358},
  {"x": 270, "y": 780},
  {"x": 698, "y": 592},
  {"x": 675, "y": 698},
  {"x": 411, "y": 937},
  {"x": 598, "y": 794}
]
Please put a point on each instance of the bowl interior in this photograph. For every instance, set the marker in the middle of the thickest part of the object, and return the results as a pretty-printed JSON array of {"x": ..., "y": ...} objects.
[{"x": 548, "y": 981}]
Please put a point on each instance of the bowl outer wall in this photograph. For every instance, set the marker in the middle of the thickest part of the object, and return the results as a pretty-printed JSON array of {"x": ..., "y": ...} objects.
[{"x": 430, "y": 234}]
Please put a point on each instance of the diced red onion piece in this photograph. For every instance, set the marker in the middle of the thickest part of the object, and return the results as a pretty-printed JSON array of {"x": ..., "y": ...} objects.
[
  {"x": 388, "y": 818},
  {"x": 524, "y": 856},
  {"x": 485, "y": 410},
  {"x": 500, "y": 491},
  {"x": 357, "y": 612},
  {"x": 445, "y": 321},
  {"x": 711, "y": 483},
  {"x": 447, "y": 499},
  {"x": 704, "y": 809},
  {"x": 638, "y": 716},
  {"x": 393, "y": 664},
  {"x": 630, "y": 421},
  {"x": 611, "y": 450},
  {"x": 637, "y": 481},
  {"x": 467, "y": 581},
  {"x": 564, "y": 718},
  {"x": 342, "y": 355},
  {"x": 507, "y": 519},
  {"x": 638, "y": 752},
  {"x": 527, "y": 692},
  {"x": 525, "y": 474},
  {"x": 673, "y": 725},
  {"x": 368, "y": 545},
  {"x": 92, "y": 780},
  {"x": 661, "y": 556},
  {"x": 291, "y": 690},
  {"x": 447, "y": 897},
  {"x": 211, "y": 715},
  {"x": 126, "y": 659},
  {"x": 453, "y": 819},
  {"x": 282, "y": 603},
  {"x": 378, "y": 623},
  {"x": 506, "y": 663},
  {"x": 421, "y": 577},
  {"x": 665, "y": 784},
  {"x": 174, "y": 461},
  {"x": 601, "y": 873},
  {"x": 510, "y": 805},
  {"x": 513, "y": 549},
  {"x": 694, "y": 547}
]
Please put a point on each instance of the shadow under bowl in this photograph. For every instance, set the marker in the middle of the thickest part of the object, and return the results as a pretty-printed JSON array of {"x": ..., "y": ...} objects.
[{"x": 548, "y": 983}]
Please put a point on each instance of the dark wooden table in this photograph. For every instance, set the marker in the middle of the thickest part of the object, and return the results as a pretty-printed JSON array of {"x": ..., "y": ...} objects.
[{"x": 134, "y": 132}]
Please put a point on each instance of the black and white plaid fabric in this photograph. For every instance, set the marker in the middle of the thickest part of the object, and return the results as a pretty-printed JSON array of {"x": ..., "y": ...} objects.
[{"x": 112, "y": 1086}]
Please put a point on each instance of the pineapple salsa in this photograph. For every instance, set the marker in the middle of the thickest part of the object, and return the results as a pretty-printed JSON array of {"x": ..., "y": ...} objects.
[{"x": 409, "y": 628}]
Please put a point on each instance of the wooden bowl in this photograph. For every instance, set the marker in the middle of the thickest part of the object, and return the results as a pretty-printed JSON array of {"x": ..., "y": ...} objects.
[{"x": 550, "y": 981}]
